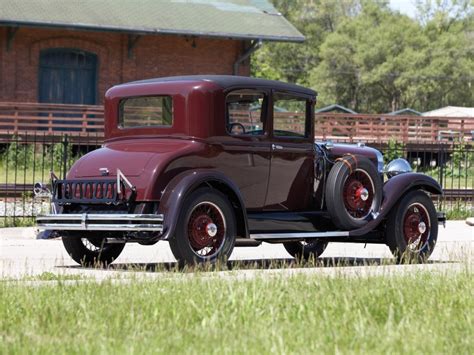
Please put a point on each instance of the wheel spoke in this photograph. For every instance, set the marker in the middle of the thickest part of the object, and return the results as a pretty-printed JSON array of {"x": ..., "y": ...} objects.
[
  {"x": 206, "y": 229},
  {"x": 358, "y": 194},
  {"x": 416, "y": 227}
]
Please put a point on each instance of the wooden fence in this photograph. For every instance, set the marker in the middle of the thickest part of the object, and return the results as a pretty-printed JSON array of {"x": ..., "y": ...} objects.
[
  {"x": 16, "y": 117},
  {"x": 85, "y": 120},
  {"x": 405, "y": 129}
]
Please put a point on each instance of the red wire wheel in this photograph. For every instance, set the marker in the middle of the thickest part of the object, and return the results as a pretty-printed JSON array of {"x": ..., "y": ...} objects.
[
  {"x": 206, "y": 229},
  {"x": 358, "y": 194},
  {"x": 416, "y": 227},
  {"x": 412, "y": 227}
]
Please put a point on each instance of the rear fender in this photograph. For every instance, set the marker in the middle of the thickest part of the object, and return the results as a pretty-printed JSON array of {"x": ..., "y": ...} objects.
[
  {"x": 393, "y": 190},
  {"x": 181, "y": 185}
]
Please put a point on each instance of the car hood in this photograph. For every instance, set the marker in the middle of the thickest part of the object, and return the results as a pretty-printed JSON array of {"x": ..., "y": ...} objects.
[{"x": 131, "y": 157}]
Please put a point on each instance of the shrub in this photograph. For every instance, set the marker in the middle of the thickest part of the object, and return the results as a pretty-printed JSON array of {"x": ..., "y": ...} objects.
[
  {"x": 394, "y": 150},
  {"x": 461, "y": 159},
  {"x": 18, "y": 155}
]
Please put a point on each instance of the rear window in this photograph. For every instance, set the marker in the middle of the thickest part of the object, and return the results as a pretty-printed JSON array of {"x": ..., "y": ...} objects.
[{"x": 146, "y": 111}]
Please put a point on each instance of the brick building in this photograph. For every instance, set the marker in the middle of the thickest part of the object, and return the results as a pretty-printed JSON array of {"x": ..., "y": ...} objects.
[{"x": 71, "y": 52}]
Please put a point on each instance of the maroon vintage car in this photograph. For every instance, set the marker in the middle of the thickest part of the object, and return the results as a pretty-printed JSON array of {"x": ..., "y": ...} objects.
[{"x": 212, "y": 162}]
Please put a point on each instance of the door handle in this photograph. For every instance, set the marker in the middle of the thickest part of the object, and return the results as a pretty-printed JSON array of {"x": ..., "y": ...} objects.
[{"x": 277, "y": 146}]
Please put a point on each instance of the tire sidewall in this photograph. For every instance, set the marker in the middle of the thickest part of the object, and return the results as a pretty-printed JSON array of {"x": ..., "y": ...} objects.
[
  {"x": 335, "y": 197},
  {"x": 300, "y": 251},
  {"x": 180, "y": 244},
  {"x": 84, "y": 256},
  {"x": 395, "y": 233}
]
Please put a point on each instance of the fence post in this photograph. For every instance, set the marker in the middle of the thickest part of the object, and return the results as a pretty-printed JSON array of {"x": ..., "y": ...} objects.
[
  {"x": 84, "y": 121},
  {"x": 15, "y": 122},
  {"x": 50, "y": 122},
  {"x": 65, "y": 144},
  {"x": 441, "y": 165}
]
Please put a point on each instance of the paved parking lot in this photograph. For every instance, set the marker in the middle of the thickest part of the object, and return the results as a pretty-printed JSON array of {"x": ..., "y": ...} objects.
[{"x": 23, "y": 255}]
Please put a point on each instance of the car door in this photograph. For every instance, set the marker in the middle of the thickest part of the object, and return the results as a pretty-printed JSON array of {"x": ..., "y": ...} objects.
[
  {"x": 291, "y": 179},
  {"x": 246, "y": 148}
]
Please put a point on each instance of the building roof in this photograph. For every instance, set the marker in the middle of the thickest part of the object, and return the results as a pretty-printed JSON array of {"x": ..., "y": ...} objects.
[
  {"x": 451, "y": 111},
  {"x": 238, "y": 19},
  {"x": 231, "y": 81},
  {"x": 335, "y": 107},
  {"x": 405, "y": 111}
]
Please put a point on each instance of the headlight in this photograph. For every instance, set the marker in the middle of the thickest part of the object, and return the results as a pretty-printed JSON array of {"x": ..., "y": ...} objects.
[{"x": 397, "y": 166}]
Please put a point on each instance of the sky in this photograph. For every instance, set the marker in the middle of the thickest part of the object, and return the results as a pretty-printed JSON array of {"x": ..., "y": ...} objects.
[{"x": 406, "y": 7}]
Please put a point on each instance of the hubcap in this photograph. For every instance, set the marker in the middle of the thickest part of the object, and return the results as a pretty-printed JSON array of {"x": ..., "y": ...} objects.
[
  {"x": 206, "y": 229},
  {"x": 358, "y": 194},
  {"x": 422, "y": 227},
  {"x": 211, "y": 229},
  {"x": 363, "y": 194},
  {"x": 416, "y": 227}
]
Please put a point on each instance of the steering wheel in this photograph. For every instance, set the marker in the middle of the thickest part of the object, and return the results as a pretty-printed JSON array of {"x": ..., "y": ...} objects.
[{"x": 232, "y": 125}]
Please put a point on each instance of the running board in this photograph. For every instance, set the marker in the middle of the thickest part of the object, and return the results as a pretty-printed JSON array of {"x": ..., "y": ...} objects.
[{"x": 271, "y": 236}]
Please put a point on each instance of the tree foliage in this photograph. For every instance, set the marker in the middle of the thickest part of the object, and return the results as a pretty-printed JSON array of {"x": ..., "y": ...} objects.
[{"x": 366, "y": 56}]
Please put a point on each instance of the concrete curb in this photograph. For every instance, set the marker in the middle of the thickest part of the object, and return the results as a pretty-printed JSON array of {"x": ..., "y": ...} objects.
[
  {"x": 31, "y": 232},
  {"x": 18, "y": 232}
]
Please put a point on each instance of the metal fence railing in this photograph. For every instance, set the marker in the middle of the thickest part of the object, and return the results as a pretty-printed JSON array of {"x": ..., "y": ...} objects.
[
  {"x": 28, "y": 158},
  {"x": 451, "y": 164}
]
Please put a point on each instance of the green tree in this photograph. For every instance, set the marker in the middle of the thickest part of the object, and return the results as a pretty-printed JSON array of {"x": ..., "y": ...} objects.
[
  {"x": 363, "y": 62},
  {"x": 363, "y": 55},
  {"x": 291, "y": 62}
]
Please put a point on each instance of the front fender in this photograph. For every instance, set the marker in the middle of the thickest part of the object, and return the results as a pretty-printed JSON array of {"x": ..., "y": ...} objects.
[
  {"x": 393, "y": 190},
  {"x": 177, "y": 189}
]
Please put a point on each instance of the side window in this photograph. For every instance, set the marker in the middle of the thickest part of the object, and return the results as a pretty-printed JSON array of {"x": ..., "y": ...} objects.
[
  {"x": 289, "y": 115},
  {"x": 146, "y": 111},
  {"x": 246, "y": 112}
]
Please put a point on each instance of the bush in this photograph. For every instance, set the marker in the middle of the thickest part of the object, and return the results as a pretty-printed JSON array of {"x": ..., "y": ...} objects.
[
  {"x": 18, "y": 155},
  {"x": 461, "y": 160},
  {"x": 394, "y": 150},
  {"x": 21, "y": 156},
  {"x": 57, "y": 152}
]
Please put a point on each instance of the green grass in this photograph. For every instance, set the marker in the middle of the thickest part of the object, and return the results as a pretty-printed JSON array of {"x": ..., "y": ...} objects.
[
  {"x": 49, "y": 276},
  {"x": 421, "y": 313},
  {"x": 459, "y": 212},
  {"x": 451, "y": 178},
  {"x": 26, "y": 176},
  {"x": 17, "y": 222}
]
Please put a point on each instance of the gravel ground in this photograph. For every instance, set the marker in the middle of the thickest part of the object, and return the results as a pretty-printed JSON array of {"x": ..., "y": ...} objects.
[{"x": 21, "y": 209}]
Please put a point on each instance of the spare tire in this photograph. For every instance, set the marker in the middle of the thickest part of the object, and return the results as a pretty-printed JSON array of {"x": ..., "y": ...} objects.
[{"x": 353, "y": 192}]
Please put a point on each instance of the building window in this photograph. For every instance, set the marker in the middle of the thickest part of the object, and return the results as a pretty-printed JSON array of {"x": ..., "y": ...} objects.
[{"x": 67, "y": 76}]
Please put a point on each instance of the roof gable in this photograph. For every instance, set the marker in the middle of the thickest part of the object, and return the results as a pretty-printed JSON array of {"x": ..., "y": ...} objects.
[
  {"x": 405, "y": 111},
  {"x": 335, "y": 107},
  {"x": 451, "y": 111}
]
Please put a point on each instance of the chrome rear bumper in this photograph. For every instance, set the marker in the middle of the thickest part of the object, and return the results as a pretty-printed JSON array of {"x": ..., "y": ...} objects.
[{"x": 101, "y": 222}]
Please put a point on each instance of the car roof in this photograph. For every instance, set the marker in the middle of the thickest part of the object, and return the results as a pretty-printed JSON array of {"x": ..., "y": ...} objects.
[{"x": 231, "y": 81}]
